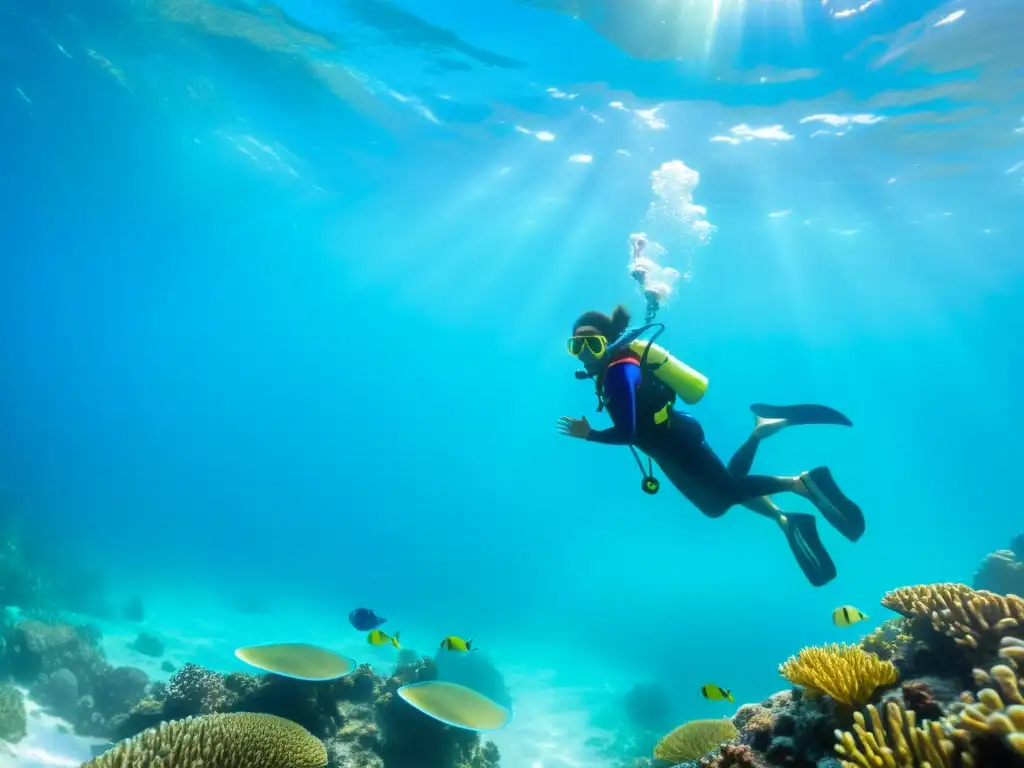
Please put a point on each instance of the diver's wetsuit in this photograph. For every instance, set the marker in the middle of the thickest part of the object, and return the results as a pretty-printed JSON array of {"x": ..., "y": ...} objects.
[{"x": 678, "y": 446}]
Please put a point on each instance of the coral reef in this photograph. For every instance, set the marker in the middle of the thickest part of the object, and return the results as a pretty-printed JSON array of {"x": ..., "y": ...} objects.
[
  {"x": 847, "y": 673},
  {"x": 993, "y": 722},
  {"x": 1003, "y": 571},
  {"x": 975, "y": 619},
  {"x": 924, "y": 746},
  {"x": 361, "y": 720},
  {"x": 66, "y": 669},
  {"x": 734, "y": 756},
  {"x": 241, "y": 740},
  {"x": 946, "y": 711}
]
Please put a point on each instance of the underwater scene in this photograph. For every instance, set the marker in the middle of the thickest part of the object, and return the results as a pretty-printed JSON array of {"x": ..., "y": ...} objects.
[{"x": 511, "y": 383}]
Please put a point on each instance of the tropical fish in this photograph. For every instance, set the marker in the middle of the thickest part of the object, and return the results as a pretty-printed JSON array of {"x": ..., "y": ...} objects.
[
  {"x": 456, "y": 705},
  {"x": 377, "y": 637},
  {"x": 364, "y": 619},
  {"x": 453, "y": 643},
  {"x": 299, "y": 660},
  {"x": 847, "y": 615},
  {"x": 714, "y": 693}
]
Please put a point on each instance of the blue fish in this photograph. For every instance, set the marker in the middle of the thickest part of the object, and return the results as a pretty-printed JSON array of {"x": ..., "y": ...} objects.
[{"x": 364, "y": 619}]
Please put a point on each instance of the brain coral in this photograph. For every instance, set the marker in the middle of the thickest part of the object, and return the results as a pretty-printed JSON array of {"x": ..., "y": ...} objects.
[
  {"x": 238, "y": 740},
  {"x": 693, "y": 740}
]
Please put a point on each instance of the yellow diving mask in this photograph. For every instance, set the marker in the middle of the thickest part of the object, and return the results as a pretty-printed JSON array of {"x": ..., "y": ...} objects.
[{"x": 597, "y": 345}]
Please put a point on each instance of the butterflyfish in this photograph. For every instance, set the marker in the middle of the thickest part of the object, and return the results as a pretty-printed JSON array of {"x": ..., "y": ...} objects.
[
  {"x": 847, "y": 616},
  {"x": 379, "y": 637},
  {"x": 453, "y": 643},
  {"x": 715, "y": 693}
]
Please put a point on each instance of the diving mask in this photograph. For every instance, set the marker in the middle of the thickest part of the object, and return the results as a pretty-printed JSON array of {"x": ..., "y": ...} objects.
[{"x": 596, "y": 345}]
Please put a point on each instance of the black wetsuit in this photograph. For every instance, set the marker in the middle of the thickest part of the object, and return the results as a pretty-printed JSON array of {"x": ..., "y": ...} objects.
[{"x": 677, "y": 445}]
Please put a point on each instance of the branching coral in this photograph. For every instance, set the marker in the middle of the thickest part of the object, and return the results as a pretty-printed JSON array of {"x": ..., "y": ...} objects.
[
  {"x": 693, "y": 740},
  {"x": 1011, "y": 650},
  {"x": 989, "y": 715},
  {"x": 847, "y": 673},
  {"x": 898, "y": 743},
  {"x": 888, "y": 639},
  {"x": 241, "y": 740},
  {"x": 971, "y": 617}
]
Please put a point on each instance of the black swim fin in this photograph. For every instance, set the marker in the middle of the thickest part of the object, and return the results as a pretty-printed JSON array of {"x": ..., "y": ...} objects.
[
  {"x": 845, "y": 516},
  {"x": 797, "y": 415},
  {"x": 802, "y": 534}
]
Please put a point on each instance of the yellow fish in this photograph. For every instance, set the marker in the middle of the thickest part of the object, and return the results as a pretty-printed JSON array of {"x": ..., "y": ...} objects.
[
  {"x": 453, "y": 643},
  {"x": 847, "y": 615},
  {"x": 714, "y": 693},
  {"x": 376, "y": 637}
]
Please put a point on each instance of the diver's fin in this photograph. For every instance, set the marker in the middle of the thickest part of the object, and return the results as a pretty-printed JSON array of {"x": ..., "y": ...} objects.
[
  {"x": 796, "y": 415},
  {"x": 802, "y": 534},
  {"x": 843, "y": 514}
]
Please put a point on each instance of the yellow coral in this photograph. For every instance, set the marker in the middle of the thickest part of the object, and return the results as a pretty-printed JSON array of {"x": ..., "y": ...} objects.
[
  {"x": 239, "y": 740},
  {"x": 693, "y": 740},
  {"x": 968, "y": 616},
  {"x": 1011, "y": 649},
  {"x": 899, "y": 743},
  {"x": 989, "y": 715},
  {"x": 847, "y": 673}
]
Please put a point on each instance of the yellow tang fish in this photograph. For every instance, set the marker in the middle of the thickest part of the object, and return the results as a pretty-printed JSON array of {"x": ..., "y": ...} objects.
[
  {"x": 847, "y": 615},
  {"x": 376, "y": 637},
  {"x": 714, "y": 693},
  {"x": 453, "y": 643}
]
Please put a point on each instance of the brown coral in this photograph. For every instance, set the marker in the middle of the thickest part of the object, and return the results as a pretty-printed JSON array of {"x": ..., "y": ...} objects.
[
  {"x": 240, "y": 740},
  {"x": 899, "y": 743},
  {"x": 734, "y": 756},
  {"x": 693, "y": 740},
  {"x": 971, "y": 617},
  {"x": 847, "y": 673},
  {"x": 754, "y": 718},
  {"x": 920, "y": 699},
  {"x": 989, "y": 716}
]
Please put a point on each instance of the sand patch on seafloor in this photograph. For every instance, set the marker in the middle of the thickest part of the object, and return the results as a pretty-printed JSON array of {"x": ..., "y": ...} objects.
[{"x": 48, "y": 744}]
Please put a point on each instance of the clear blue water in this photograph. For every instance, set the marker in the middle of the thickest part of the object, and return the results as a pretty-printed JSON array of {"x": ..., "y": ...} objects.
[{"x": 285, "y": 292}]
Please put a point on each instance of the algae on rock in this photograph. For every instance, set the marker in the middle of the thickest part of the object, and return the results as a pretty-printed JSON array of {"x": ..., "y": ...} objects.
[{"x": 13, "y": 720}]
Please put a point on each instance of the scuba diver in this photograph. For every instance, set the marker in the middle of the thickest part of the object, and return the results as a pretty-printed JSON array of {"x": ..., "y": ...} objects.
[{"x": 638, "y": 382}]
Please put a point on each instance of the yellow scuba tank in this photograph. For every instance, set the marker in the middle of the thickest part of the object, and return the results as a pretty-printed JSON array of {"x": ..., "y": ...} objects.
[{"x": 689, "y": 384}]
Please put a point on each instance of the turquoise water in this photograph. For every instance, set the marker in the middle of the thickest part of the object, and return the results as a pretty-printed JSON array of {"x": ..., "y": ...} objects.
[{"x": 286, "y": 291}]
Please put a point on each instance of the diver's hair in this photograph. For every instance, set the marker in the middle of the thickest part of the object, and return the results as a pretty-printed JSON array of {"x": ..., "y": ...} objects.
[
  {"x": 611, "y": 327},
  {"x": 620, "y": 319}
]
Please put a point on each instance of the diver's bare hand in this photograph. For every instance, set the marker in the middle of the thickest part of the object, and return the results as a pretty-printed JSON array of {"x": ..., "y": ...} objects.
[{"x": 578, "y": 428}]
